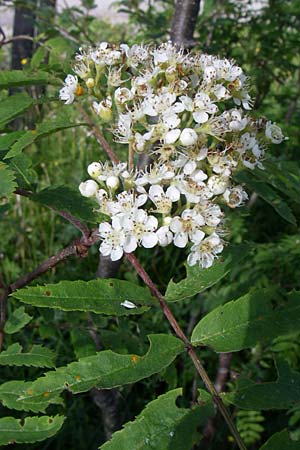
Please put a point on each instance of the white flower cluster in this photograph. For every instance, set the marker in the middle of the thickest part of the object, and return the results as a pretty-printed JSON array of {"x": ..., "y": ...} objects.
[{"x": 187, "y": 113}]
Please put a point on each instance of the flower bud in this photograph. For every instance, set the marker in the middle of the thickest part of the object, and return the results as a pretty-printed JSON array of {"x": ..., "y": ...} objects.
[
  {"x": 103, "y": 109},
  {"x": 94, "y": 170},
  {"x": 88, "y": 188},
  {"x": 113, "y": 182},
  {"x": 188, "y": 137},
  {"x": 274, "y": 133},
  {"x": 90, "y": 83}
]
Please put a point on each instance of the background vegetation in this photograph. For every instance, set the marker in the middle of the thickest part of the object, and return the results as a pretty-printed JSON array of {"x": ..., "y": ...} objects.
[{"x": 265, "y": 43}]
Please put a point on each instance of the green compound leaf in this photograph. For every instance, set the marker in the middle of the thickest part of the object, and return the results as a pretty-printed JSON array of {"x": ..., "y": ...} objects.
[
  {"x": 13, "y": 106},
  {"x": 104, "y": 370},
  {"x": 281, "y": 441},
  {"x": 163, "y": 426},
  {"x": 198, "y": 279},
  {"x": 252, "y": 318},
  {"x": 7, "y": 181},
  {"x": 42, "y": 130},
  {"x": 34, "y": 429},
  {"x": 284, "y": 393},
  {"x": 102, "y": 296},
  {"x": 15, "y": 78},
  {"x": 17, "y": 320},
  {"x": 38, "y": 356},
  {"x": 69, "y": 199}
]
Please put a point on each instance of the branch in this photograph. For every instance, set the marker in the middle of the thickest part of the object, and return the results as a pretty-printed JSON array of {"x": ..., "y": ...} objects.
[
  {"x": 79, "y": 247},
  {"x": 184, "y": 22},
  {"x": 190, "y": 349},
  {"x": 65, "y": 214},
  {"x": 98, "y": 135}
]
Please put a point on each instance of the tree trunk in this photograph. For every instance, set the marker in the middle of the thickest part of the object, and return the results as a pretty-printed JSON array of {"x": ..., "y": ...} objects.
[{"x": 184, "y": 22}]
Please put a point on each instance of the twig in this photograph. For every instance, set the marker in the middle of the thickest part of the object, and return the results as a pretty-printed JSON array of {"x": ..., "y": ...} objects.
[
  {"x": 98, "y": 135},
  {"x": 65, "y": 214},
  {"x": 78, "y": 247},
  {"x": 190, "y": 349}
]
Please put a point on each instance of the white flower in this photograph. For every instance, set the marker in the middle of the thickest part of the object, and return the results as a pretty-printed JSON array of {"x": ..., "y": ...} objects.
[
  {"x": 127, "y": 204},
  {"x": 217, "y": 185},
  {"x": 203, "y": 106},
  {"x": 88, "y": 188},
  {"x": 274, "y": 133},
  {"x": 140, "y": 229},
  {"x": 114, "y": 239},
  {"x": 164, "y": 235},
  {"x": 163, "y": 200},
  {"x": 187, "y": 227},
  {"x": 67, "y": 93},
  {"x": 205, "y": 251},
  {"x": 123, "y": 130},
  {"x": 235, "y": 196},
  {"x": 154, "y": 175},
  {"x": 123, "y": 95},
  {"x": 188, "y": 137},
  {"x": 210, "y": 212}
]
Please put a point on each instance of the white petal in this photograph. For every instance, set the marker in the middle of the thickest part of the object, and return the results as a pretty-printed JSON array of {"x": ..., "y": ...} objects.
[
  {"x": 173, "y": 193},
  {"x": 180, "y": 240},
  {"x": 130, "y": 244},
  {"x": 116, "y": 253},
  {"x": 189, "y": 167},
  {"x": 172, "y": 136},
  {"x": 200, "y": 116},
  {"x": 105, "y": 249},
  {"x": 151, "y": 223},
  {"x": 104, "y": 227},
  {"x": 197, "y": 236},
  {"x": 149, "y": 240},
  {"x": 192, "y": 259},
  {"x": 176, "y": 225},
  {"x": 156, "y": 191},
  {"x": 128, "y": 304}
]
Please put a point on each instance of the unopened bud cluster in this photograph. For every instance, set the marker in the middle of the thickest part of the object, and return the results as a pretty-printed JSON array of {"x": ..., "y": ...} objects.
[{"x": 188, "y": 113}]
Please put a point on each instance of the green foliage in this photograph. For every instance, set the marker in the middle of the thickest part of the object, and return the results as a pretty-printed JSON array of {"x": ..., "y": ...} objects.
[
  {"x": 104, "y": 370},
  {"x": 283, "y": 393},
  {"x": 13, "y": 106},
  {"x": 279, "y": 441},
  {"x": 162, "y": 425},
  {"x": 99, "y": 296},
  {"x": 69, "y": 199},
  {"x": 38, "y": 356},
  {"x": 42, "y": 130},
  {"x": 33, "y": 429},
  {"x": 249, "y": 426},
  {"x": 198, "y": 279},
  {"x": 48, "y": 156},
  {"x": 16, "y": 78},
  {"x": 17, "y": 320},
  {"x": 7, "y": 181},
  {"x": 255, "y": 317}
]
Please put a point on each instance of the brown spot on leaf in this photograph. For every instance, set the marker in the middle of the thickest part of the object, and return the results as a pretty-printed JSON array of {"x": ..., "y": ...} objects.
[
  {"x": 134, "y": 358},
  {"x": 46, "y": 394},
  {"x": 48, "y": 293}
]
